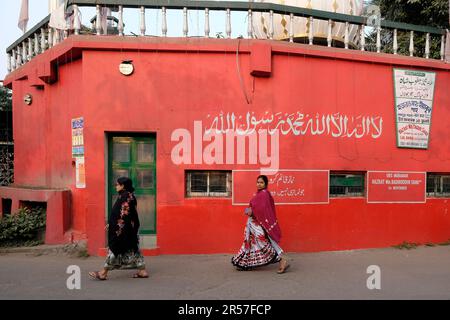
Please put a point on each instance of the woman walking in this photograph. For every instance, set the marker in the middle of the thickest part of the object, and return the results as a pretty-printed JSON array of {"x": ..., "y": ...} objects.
[
  {"x": 123, "y": 239},
  {"x": 262, "y": 233}
]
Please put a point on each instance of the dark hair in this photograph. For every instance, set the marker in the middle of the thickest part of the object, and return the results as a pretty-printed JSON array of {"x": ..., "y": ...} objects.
[
  {"x": 266, "y": 181},
  {"x": 126, "y": 183}
]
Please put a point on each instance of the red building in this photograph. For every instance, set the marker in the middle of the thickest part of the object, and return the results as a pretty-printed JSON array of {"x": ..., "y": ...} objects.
[{"x": 344, "y": 180}]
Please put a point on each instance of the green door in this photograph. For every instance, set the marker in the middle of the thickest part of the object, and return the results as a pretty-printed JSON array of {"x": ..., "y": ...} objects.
[{"x": 134, "y": 156}]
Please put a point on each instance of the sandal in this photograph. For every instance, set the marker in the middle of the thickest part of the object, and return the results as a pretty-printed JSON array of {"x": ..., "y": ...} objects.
[
  {"x": 96, "y": 276},
  {"x": 138, "y": 275},
  {"x": 283, "y": 266}
]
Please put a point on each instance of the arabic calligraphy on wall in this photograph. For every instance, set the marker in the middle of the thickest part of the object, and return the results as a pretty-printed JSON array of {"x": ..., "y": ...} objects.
[{"x": 335, "y": 125}]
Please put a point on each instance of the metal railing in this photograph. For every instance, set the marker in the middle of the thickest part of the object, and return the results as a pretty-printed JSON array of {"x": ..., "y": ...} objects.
[{"x": 41, "y": 37}]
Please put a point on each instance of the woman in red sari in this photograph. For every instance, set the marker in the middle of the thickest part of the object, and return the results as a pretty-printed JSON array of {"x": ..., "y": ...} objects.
[{"x": 262, "y": 233}]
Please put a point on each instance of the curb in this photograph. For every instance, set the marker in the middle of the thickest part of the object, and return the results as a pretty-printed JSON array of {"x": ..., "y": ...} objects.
[{"x": 74, "y": 249}]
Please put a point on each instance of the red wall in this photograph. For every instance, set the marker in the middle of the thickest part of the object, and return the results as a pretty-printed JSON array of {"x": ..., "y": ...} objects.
[{"x": 178, "y": 81}]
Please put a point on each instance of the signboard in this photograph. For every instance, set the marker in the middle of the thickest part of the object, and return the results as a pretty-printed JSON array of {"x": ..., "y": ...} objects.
[
  {"x": 286, "y": 186},
  {"x": 414, "y": 93},
  {"x": 396, "y": 187}
]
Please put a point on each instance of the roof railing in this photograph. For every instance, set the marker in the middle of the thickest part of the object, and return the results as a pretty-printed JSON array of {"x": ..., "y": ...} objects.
[{"x": 42, "y": 37}]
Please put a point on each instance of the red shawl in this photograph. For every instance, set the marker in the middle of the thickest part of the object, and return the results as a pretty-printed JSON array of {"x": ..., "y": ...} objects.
[{"x": 263, "y": 208}]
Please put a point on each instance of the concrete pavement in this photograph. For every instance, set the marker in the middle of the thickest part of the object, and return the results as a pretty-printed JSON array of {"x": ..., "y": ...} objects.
[{"x": 421, "y": 273}]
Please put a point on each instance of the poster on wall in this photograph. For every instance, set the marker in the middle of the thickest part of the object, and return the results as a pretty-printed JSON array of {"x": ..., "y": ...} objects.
[
  {"x": 414, "y": 94},
  {"x": 286, "y": 186},
  {"x": 396, "y": 187},
  {"x": 77, "y": 137},
  {"x": 80, "y": 173},
  {"x": 78, "y": 152}
]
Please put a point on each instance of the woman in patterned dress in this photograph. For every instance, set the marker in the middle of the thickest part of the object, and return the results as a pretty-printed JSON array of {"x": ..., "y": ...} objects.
[
  {"x": 262, "y": 233},
  {"x": 123, "y": 240}
]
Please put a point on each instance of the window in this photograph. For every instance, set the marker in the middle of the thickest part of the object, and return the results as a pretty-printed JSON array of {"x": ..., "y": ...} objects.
[
  {"x": 346, "y": 184},
  {"x": 438, "y": 185},
  {"x": 208, "y": 183}
]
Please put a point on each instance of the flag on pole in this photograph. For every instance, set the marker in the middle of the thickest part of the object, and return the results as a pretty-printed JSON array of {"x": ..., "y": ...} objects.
[{"x": 23, "y": 16}]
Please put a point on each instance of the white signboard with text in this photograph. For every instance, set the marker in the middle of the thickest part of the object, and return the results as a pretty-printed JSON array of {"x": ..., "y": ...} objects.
[{"x": 414, "y": 93}]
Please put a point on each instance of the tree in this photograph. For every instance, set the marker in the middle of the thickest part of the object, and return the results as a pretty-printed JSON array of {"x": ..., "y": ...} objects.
[
  {"x": 5, "y": 99},
  {"x": 432, "y": 13}
]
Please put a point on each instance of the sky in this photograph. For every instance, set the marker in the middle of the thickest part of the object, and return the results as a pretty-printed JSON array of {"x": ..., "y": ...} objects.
[{"x": 38, "y": 10}]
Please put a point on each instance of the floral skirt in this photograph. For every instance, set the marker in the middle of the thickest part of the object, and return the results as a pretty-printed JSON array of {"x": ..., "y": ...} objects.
[
  {"x": 258, "y": 248},
  {"x": 129, "y": 260}
]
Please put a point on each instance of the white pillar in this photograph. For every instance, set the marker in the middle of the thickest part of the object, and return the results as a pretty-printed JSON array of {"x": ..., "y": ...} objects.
[
  {"x": 30, "y": 49},
  {"x": 98, "y": 23},
  {"x": 346, "y": 35},
  {"x": 427, "y": 46},
  {"x": 142, "y": 21},
  {"x": 311, "y": 31},
  {"x": 120, "y": 26},
  {"x": 271, "y": 28},
  {"x": 228, "y": 24},
  {"x": 207, "y": 27},
  {"x": 36, "y": 44},
  {"x": 411, "y": 44},
  {"x": 164, "y": 22},
  {"x": 8, "y": 62},
  {"x": 249, "y": 25},
  {"x": 291, "y": 27},
  {"x": 43, "y": 45},
  {"x": 329, "y": 38},
  {"x": 378, "y": 39},
  {"x": 362, "y": 37},
  {"x": 50, "y": 37},
  {"x": 185, "y": 23},
  {"x": 395, "y": 42}
]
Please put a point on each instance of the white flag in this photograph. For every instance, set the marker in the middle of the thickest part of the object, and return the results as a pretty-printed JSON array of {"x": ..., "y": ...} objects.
[
  {"x": 58, "y": 18},
  {"x": 23, "y": 16}
]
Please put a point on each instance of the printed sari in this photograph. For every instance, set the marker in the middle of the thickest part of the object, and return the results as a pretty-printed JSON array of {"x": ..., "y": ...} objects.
[{"x": 261, "y": 236}]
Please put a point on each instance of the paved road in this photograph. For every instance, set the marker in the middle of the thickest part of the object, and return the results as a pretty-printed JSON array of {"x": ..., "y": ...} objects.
[{"x": 422, "y": 273}]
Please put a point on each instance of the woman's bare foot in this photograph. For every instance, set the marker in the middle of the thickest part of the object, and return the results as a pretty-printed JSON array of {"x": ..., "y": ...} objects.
[{"x": 284, "y": 265}]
